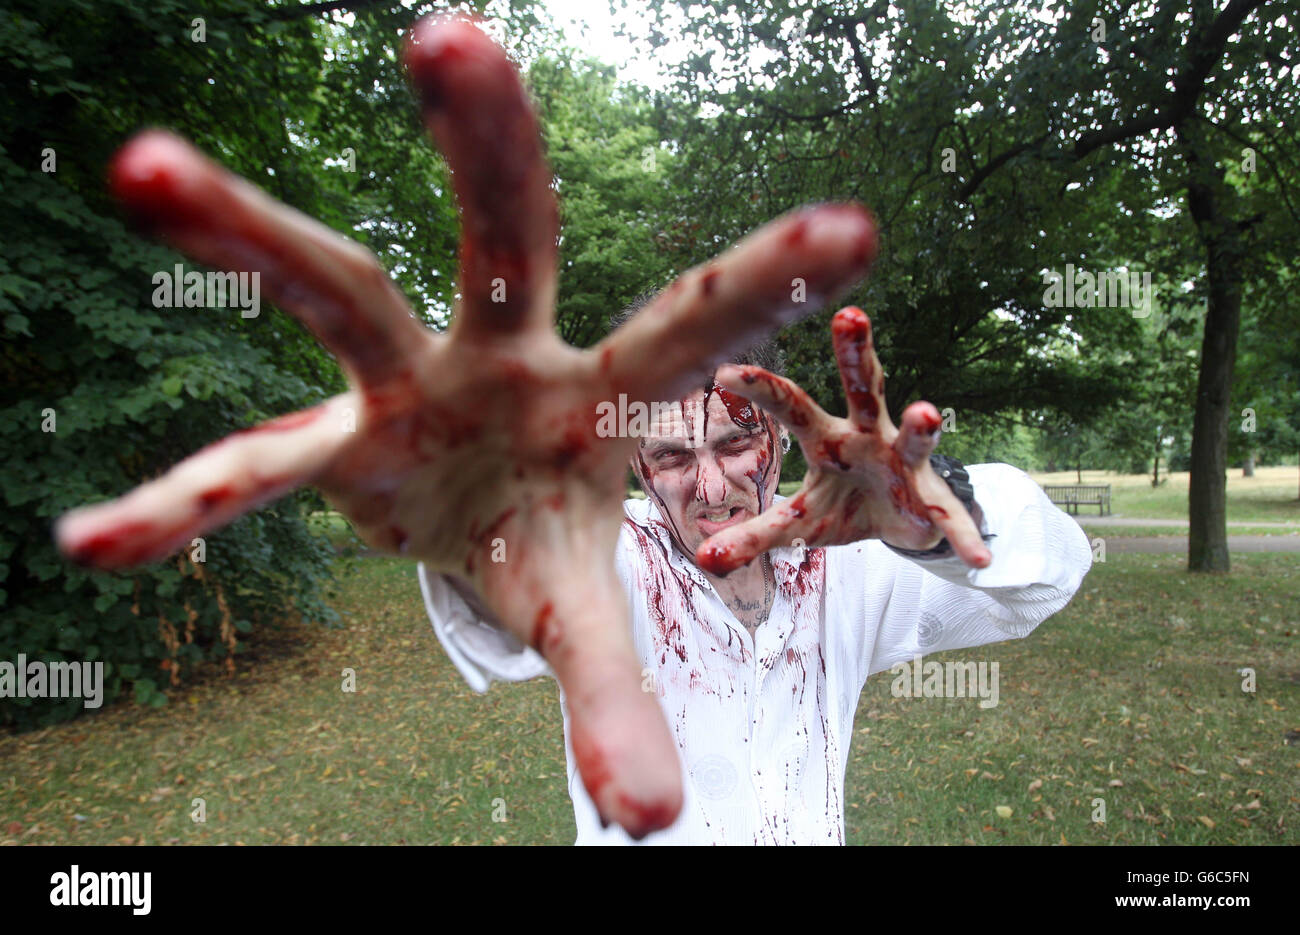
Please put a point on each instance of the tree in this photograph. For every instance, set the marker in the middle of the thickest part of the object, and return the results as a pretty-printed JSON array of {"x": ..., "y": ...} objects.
[
  {"x": 1063, "y": 129},
  {"x": 1166, "y": 96},
  {"x": 102, "y": 388},
  {"x": 1265, "y": 412},
  {"x": 612, "y": 179}
]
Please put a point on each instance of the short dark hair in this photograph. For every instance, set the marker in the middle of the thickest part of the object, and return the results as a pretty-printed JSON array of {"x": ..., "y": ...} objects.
[{"x": 766, "y": 354}]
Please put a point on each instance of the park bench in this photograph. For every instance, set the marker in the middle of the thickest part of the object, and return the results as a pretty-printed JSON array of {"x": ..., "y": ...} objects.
[{"x": 1071, "y": 496}]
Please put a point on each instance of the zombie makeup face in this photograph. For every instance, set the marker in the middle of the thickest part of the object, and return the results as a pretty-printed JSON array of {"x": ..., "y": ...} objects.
[{"x": 710, "y": 463}]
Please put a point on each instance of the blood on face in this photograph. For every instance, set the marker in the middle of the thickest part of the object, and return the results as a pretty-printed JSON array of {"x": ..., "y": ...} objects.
[{"x": 715, "y": 450}]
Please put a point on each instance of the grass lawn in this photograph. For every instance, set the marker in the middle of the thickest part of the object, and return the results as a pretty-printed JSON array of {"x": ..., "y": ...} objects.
[
  {"x": 336, "y": 527},
  {"x": 1270, "y": 496},
  {"x": 1130, "y": 694},
  {"x": 1137, "y": 530}
]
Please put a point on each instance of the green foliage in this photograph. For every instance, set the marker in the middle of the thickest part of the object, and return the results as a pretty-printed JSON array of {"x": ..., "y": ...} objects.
[
  {"x": 101, "y": 390},
  {"x": 791, "y": 108},
  {"x": 776, "y": 107},
  {"x": 612, "y": 179},
  {"x": 315, "y": 109},
  {"x": 995, "y": 142},
  {"x": 984, "y": 439},
  {"x": 1264, "y": 421}
]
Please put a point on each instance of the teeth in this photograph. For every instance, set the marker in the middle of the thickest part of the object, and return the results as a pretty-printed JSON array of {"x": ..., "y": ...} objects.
[{"x": 717, "y": 516}]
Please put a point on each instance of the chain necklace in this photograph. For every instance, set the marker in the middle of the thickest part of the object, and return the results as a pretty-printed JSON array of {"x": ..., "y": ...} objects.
[
  {"x": 766, "y": 609},
  {"x": 767, "y": 566}
]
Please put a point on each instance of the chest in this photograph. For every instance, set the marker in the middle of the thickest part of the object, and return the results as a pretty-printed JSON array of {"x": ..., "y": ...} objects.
[
  {"x": 702, "y": 639},
  {"x": 750, "y": 606}
]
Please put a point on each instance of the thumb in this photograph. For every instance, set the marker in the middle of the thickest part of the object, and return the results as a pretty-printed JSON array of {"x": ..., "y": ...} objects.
[
  {"x": 738, "y": 545},
  {"x": 625, "y": 754}
]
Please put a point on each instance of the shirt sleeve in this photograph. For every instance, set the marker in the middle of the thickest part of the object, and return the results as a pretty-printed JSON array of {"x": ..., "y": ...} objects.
[
  {"x": 482, "y": 649},
  {"x": 1040, "y": 556}
]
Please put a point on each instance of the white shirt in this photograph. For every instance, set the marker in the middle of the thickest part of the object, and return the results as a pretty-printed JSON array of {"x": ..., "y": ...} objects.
[{"x": 763, "y": 726}]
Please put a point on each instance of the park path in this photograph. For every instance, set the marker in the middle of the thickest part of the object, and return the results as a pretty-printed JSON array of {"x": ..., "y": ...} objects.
[
  {"x": 1094, "y": 526},
  {"x": 1113, "y": 520},
  {"x": 1161, "y": 544}
]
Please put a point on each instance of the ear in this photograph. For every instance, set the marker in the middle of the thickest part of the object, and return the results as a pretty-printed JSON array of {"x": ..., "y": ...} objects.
[{"x": 634, "y": 465}]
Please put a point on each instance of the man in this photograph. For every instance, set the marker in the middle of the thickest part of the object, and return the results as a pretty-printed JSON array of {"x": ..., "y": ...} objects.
[
  {"x": 452, "y": 446},
  {"x": 759, "y": 671}
]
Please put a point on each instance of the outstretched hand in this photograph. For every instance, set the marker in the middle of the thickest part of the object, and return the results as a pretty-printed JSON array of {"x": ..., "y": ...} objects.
[
  {"x": 478, "y": 445},
  {"x": 866, "y": 478}
]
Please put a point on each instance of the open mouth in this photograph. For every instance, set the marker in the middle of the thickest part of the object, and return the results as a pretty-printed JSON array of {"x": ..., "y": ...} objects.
[{"x": 714, "y": 520}]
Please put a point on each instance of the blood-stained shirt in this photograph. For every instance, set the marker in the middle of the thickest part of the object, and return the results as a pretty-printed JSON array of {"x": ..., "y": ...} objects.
[{"x": 763, "y": 725}]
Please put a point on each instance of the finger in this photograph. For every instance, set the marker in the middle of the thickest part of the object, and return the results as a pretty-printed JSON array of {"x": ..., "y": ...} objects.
[
  {"x": 481, "y": 119},
  {"x": 919, "y": 433},
  {"x": 625, "y": 754},
  {"x": 207, "y": 490},
  {"x": 786, "y": 269},
  {"x": 860, "y": 372},
  {"x": 952, "y": 518},
  {"x": 333, "y": 284},
  {"x": 783, "y": 398},
  {"x": 917, "y": 438},
  {"x": 739, "y": 545}
]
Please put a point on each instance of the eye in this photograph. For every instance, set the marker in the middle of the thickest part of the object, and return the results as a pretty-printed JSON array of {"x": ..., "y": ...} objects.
[
  {"x": 736, "y": 445},
  {"x": 668, "y": 459}
]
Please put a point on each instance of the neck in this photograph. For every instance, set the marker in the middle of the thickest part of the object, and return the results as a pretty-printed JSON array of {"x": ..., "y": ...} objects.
[
  {"x": 748, "y": 592},
  {"x": 745, "y": 577}
]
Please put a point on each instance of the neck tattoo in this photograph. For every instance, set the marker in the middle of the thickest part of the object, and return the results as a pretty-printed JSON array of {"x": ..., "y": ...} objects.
[{"x": 765, "y": 608}]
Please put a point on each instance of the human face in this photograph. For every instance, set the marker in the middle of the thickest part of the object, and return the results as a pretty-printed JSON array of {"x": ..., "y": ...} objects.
[{"x": 710, "y": 463}]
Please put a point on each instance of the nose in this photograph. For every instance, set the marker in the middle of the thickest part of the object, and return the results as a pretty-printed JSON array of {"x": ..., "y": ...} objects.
[{"x": 710, "y": 482}]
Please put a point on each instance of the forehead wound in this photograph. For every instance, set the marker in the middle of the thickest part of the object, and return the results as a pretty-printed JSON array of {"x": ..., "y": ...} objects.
[
  {"x": 688, "y": 421},
  {"x": 740, "y": 410}
]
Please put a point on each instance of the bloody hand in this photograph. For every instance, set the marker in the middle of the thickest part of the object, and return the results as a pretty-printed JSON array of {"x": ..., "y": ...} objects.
[
  {"x": 449, "y": 444},
  {"x": 866, "y": 479}
]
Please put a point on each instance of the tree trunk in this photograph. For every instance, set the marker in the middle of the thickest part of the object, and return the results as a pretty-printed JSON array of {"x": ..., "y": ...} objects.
[
  {"x": 1248, "y": 466},
  {"x": 1207, "y": 494},
  {"x": 1155, "y": 472},
  {"x": 1078, "y": 472},
  {"x": 1207, "y": 504}
]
